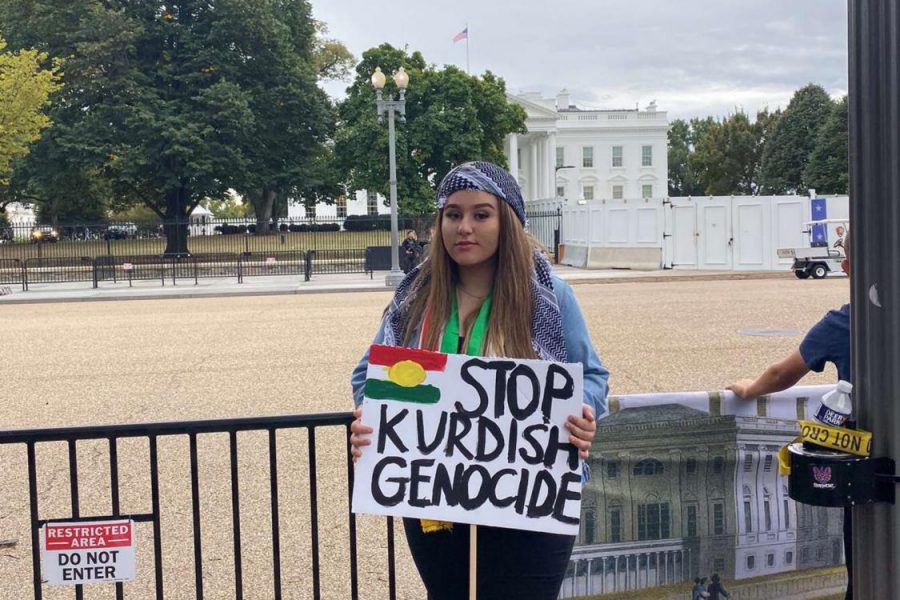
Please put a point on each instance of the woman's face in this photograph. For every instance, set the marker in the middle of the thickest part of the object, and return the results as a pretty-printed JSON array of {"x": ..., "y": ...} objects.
[{"x": 470, "y": 227}]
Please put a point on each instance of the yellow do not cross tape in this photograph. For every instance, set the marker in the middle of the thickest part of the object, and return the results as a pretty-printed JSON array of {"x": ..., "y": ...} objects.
[{"x": 851, "y": 441}]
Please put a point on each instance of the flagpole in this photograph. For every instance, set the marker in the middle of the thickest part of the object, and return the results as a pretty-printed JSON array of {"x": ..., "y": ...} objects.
[{"x": 467, "y": 49}]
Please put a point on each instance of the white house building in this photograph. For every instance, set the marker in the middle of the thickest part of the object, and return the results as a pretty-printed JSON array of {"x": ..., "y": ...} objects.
[{"x": 588, "y": 154}]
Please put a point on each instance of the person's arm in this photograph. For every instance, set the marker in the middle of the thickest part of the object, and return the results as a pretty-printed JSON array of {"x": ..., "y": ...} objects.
[
  {"x": 779, "y": 376},
  {"x": 595, "y": 376},
  {"x": 581, "y": 350},
  {"x": 358, "y": 378}
]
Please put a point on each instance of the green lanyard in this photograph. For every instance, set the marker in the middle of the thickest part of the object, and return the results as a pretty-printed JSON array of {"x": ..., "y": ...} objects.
[{"x": 475, "y": 345}]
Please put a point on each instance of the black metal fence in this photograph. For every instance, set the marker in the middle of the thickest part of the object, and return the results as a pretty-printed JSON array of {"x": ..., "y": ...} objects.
[
  {"x": 203, "y": 248},
  {"x": 284, "y": 524}
]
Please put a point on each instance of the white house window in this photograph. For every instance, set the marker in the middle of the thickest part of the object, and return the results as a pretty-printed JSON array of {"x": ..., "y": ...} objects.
[
  {"x": 615, "y": 524},
  {"x": 560, "y": 191},
  {"x": 560, "y": 156},
  {"x": 691, "y": 521},
  {"x": 718, "y": 464},
  {"x": 617, "y": 156},
  {"x": 718, "y": 518},
  {"x": 371, "y": 204},
  {"x": 587, "y": 157},
  {"x": 768, "y": 464},
  {"x": 647, "y": 190},
  {"x": 751, "y": 562},
  {"x": 770, "y": 560},
  {"x": 342, "y": 207},
  {"x": 748, "y": 516},
  {"x": 788, "y": 557},
  {"x": 649, "y": 466},
  {"x": 612, "y": 469},
  {"x": 646, "y": 156},
  {"x": 653, "y": 521},
  {"x": 787, "y": 515},
  {"x": 618, "y": 192},
  {"x": 588, "y": 192}
]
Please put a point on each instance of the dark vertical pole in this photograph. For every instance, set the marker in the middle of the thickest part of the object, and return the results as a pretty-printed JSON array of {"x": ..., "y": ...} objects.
[
  {"x": 195, "y": 511},
  {"x": 35, "y": 527},
  {"x": 276, "y": 527},
  {"x": 114, "y": 494},
  {"x": 236, "y": 518},
  {"x": 157, "y": 529},
  {"x": 314, "y": 515},
  {"x": 874, "y": 27},
  {"x": 354, "y": 576},
  {"x": 73, "y": 491}
]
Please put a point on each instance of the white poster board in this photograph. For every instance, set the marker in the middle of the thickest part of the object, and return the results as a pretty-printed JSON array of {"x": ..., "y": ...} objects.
[
  {"x": 88, "y": 552},
  {"x": 470, "y": 440}
]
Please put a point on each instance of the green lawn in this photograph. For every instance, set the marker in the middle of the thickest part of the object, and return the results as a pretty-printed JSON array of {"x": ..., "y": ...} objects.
[{"x": 206, "y": 244}]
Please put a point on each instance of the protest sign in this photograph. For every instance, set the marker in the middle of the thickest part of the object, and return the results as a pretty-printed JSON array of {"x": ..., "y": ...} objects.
[
  {"x": 470, "y": 440},
  {"x": 88, "y": 552}
]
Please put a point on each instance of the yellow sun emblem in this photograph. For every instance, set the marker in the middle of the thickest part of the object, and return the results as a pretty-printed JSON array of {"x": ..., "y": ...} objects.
[{"x": 407, "y": 373}]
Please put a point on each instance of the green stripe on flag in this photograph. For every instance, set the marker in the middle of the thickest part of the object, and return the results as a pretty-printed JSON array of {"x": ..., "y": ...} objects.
[{"x": 379, "y": 389}]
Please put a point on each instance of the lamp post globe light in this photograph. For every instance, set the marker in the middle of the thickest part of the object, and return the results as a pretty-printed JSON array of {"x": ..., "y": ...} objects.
[{"x": 391, "y": 106}]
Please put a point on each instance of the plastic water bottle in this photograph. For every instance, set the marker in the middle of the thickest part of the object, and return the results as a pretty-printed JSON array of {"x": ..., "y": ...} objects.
[{"x": 836, "y": 407}]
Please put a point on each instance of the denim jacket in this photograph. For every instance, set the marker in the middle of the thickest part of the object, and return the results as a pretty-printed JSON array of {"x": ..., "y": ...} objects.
[{"x": 578, "y": 346}]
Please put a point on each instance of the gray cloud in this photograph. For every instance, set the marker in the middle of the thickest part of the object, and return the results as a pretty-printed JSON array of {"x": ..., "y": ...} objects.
[{"x": 695, "y": 57}]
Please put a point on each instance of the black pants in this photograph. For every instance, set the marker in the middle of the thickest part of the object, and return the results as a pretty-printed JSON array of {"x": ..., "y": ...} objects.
[{"x": 524, "y": 565}]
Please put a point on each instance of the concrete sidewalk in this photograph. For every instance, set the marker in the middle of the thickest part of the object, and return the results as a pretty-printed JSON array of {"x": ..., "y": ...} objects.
[{"x": 274, "y": 285}]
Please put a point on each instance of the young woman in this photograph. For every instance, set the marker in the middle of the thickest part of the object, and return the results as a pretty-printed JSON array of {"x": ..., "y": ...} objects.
[{"x": 486, "y": 289}]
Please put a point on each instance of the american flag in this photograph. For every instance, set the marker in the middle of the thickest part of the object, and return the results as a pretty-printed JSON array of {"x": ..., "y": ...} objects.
[{"x": 462, "y": 35}]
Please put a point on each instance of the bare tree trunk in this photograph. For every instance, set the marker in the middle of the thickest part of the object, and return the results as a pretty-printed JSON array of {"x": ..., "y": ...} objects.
[
  {"x": 262, "y": 206},
  {"x": 175, "y": 225}
]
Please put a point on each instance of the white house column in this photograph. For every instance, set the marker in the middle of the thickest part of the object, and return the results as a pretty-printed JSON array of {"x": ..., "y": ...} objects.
[
  {"x": 514, "y": 155},
  {"x": 533, "y": 176},
  {"x": 551, "y": 165}
]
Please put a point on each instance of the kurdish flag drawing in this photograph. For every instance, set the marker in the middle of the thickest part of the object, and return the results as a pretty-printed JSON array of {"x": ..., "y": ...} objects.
[{"x": 404, "y": 374}]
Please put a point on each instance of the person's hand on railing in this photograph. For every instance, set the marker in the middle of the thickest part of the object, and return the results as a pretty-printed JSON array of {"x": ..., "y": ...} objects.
[
  {"x": 359, "y": 434},
  {"x": 741, "y": 389},
  {"x": 582, "y": 430}
]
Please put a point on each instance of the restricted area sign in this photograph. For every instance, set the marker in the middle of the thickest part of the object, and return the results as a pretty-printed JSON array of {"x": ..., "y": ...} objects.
[{"x": 88, "y": 552}]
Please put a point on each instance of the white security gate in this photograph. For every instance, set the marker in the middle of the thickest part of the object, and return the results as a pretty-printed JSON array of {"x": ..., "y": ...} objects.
[{"x": 721, "y": 233}]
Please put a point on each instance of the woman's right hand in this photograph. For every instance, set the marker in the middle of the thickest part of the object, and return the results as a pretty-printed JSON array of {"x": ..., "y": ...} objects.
[{"x": 359, "y": 434}]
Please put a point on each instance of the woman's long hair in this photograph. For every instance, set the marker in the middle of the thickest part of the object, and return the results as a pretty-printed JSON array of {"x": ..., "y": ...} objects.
[{"x": 509, "y": 326}]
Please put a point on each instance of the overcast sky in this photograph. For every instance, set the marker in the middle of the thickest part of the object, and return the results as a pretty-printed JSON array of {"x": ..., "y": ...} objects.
[{"x": 694, "y": 57}]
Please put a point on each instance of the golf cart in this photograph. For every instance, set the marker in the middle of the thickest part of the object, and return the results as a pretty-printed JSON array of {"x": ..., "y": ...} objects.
[{"x": 820, "y": 258}]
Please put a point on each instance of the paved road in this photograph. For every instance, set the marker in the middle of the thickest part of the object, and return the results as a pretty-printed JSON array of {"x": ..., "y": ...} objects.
[{"x": 151, "y": 360}]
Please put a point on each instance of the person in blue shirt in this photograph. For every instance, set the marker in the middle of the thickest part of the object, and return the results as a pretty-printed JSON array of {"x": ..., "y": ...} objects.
[
  {"x": 486, "y": 289},
  {"x": 827, "y": 342}
]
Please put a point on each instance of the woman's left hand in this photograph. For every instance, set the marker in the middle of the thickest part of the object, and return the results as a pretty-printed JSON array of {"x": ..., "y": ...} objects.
[{"x": 582, "y": 430}]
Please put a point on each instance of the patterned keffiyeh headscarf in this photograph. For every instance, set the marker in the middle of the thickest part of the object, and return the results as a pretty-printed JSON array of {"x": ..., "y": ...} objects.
[{"x": 547, "y": 334}]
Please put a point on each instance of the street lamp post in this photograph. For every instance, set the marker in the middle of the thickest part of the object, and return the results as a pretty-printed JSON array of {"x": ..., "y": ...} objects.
[{"x": 391, "y": 106}]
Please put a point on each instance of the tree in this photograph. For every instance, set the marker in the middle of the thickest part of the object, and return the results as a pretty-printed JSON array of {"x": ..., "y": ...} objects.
[
  {"x": 227, "y": 207},
  {"x": 174, "y": 102},
  {"x": 727, "y": 158},
  {"x": 451, "y": 117},
  {"x": 276, "y": 66},
  {"x": 684, "y": 180},
  {"x": 788, "y": 150},
  {"x": 827, "y": 170},
  {"x": 332, "y": 59},
  {"x": 25, "y": 89}
]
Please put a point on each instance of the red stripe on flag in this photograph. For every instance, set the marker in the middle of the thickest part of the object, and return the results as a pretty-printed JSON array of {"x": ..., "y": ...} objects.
[{"x": 388, "y": 356}]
